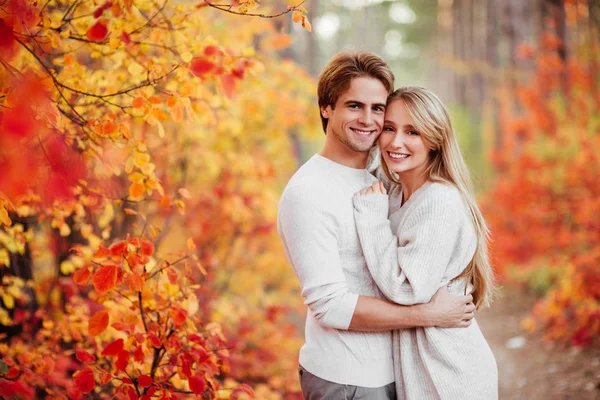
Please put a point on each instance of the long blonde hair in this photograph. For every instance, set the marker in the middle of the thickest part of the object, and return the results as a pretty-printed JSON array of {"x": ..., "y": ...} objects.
[{"x": 447, "y": 165}]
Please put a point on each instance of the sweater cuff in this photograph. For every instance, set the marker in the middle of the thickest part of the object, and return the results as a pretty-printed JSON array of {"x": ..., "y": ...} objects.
[{"x": 373, "y": 205}]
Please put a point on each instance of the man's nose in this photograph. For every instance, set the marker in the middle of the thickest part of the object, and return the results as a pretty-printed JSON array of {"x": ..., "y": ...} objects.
[{"x": 366, "y": 117}]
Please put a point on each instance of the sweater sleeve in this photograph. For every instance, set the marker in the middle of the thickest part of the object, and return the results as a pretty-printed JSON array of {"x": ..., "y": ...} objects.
[
  {"x": 409, "y": 267},
  {"x": 310, "y": 240}
]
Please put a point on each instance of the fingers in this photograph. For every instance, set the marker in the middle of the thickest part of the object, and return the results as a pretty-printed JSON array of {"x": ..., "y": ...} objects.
[
  {"x": 469, "y": 316},
  {"x": 470, "y": 307},
  {"x": 383, "y": 191},
  {"x": 465, "y": 323},
  {"x": 468, "y": 299}
]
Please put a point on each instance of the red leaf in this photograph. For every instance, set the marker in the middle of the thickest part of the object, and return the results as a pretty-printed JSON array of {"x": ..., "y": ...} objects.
[
  {"x": 126, "y": 38},
  {"x": 98, "y": 323},
  {"x": 228, "y": 84},
  {"x": 113, "y": 348},
  {"x": 200, "y": 66},
  {"x": 197, "y": 384},
  {"x": 97, "y": 32},
  {"x": 212, "y": 51},
  {"x": 8, "y": 44},
  {"x": 82, "y": 275},
  {"x": 179, "y": 316},
  {"x": 122, "y": 360},
  {"x": 154, "y": 340},
  {"x": 131, "y": 393},
  {"x": 138, "y": 354},
  {"x": 145, "y": 380},
  {"x": 84, "y": 380},
  {"x": 147, "y": 248},
  {"x": 85, "y": 357},
  {"x": 105, "y": 278},
  {"x": 117, "y": 249},
  {"x": 243, "y": 388}
]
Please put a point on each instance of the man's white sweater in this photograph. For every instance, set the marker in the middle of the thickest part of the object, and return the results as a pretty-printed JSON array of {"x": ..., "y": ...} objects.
[{"x": 317, "y": 227}]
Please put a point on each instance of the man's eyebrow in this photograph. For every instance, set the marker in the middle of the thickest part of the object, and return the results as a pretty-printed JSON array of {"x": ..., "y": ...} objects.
[{"x": 348, "y": 102}]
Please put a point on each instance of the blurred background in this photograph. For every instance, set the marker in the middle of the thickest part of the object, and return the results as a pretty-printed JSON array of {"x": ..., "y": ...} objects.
[{"x": 144, "y": 148}]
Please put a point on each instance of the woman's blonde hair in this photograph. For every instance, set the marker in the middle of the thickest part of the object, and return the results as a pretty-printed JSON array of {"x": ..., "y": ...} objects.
[{"x": 447, "y": 165}]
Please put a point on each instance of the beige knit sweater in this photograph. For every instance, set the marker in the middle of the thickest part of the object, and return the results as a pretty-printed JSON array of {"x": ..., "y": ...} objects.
[{"x": 424, "y": 244}]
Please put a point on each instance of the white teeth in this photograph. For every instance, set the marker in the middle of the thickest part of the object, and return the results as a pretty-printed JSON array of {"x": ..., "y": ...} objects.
[
  {"x": 398, "y": 155},
  {"x": 362, "y": 132}
]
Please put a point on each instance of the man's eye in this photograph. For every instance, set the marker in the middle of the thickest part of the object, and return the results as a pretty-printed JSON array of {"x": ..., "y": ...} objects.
[
  {"x": 379, "y": 109},
  {"x": 353, "y": 105}
]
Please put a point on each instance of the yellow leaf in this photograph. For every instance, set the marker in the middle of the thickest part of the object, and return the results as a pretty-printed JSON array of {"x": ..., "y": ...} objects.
[
  {"x": 136, "y": 177},
  {"x": 65, "y": 230},
  {"x": 4, "y": 257},
  {"x": 66, "y": 267},
  {"x": 4, "y": 218},
  {"x": 135, "y": 68},
  {"x": 187, "y": 57},
  {"x": 190, "y": 244},
  {"x": 9, "y": 301},
  {"x": 140, "y": 159},
  {"x": 306, "y": 24}
]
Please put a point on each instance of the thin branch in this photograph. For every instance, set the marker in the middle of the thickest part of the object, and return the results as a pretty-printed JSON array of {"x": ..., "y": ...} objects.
[
  {"x": 142, "y": 311},
  {"x": 227, "y": 9}
]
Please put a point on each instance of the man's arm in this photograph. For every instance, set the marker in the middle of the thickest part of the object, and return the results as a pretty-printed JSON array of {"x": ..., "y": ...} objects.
[{"x": 444, "y": 311}]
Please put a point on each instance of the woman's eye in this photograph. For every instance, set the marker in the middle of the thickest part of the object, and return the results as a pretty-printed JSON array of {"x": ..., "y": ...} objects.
[
  {"x": 413, "y": 133},
  {"x": 388, "y": 129}
]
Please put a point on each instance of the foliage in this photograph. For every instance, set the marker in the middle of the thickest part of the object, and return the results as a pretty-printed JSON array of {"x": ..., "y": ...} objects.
[
  {"x": 543, "y": 208},
  {"x": 143, "y": 148}
]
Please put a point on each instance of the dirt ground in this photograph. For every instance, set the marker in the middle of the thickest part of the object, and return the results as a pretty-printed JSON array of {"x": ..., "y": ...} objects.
[{"x": 528, "y": 367}]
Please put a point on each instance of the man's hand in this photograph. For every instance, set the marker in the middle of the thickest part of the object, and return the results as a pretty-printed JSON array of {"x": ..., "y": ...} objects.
[
  {"x": 376, "y": 187},
  {"x": 449, "y": 311}
]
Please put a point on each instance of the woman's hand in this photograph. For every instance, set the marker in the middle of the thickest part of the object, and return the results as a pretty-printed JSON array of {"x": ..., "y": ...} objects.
[{"x": 376, "y": 187}]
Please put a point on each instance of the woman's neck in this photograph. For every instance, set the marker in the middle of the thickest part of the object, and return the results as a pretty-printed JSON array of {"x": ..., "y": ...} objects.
[{"x": 411, "y": 181}]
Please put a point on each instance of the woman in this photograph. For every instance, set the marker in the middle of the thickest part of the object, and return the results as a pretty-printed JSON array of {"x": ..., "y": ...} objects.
[{"x": 435, "y": 235}]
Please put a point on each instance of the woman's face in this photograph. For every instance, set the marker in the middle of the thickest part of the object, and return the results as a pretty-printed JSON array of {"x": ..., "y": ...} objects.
[{"x": 401, "y": 144}]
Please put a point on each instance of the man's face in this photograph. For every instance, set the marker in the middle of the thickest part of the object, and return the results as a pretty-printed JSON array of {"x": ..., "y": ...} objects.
[{"x": 357, "y": 119}]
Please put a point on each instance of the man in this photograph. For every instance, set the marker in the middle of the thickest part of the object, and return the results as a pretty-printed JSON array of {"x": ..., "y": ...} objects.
[{"x": 348, "y": 348}]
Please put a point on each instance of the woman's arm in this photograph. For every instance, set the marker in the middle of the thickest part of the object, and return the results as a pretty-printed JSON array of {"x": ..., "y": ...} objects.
[{"x": 409, "y": 268}]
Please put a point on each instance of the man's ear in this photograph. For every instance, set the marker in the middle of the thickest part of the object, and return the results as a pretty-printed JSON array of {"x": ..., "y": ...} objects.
[{"x": 326, "y": 111}]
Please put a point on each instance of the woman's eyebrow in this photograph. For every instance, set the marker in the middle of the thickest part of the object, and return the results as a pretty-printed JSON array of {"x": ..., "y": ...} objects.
[{"x": 389, "y": 122}]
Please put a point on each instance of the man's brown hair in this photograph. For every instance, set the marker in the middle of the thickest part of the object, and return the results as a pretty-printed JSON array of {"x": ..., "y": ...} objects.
[{"x": 338, "y": 73}]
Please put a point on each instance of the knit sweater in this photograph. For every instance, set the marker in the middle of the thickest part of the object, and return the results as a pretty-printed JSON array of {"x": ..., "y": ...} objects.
[
  {"x": 316, "y": 225},
  {"x": 425, "y": 243}
]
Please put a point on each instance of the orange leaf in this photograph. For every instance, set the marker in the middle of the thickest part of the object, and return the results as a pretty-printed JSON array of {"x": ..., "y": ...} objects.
[
  {"x": 135, "y": 282},
  {"x": 138, "y": 102},
  {"x": 228, "y": 85},
  {"x": 306, "y": 24},
  {"x": 113, "y": 348},
  {"x": 242, "y": 389},
  {"x": 136, "y": 190},
  {"x": 104, "y": 378},
  {"x": 109, "y": 128},
  {"x": 98, "y": 323},
  {"x": 155, "y": 100},
  {"x": 105, "y": 278},
  {"x": 154, "y": 340},
  {"x": 82, "y": 275},
  {"x": 296, "y": 16},
  {"x": 159, "y": 114},
  {"x": 171, "y": 101}
]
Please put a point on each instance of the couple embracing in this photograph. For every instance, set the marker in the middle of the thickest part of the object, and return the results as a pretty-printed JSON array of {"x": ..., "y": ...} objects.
[{"x": 389, "y": 245}]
